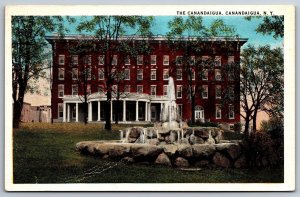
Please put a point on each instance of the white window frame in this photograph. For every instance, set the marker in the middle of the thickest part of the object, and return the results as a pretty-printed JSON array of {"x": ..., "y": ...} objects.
[
  {"x": 230, "y": 59},
  {"x": 153, "y": 59},
  {"x": 231, "y": 109},
  {"x": 166, "y": 74},
  {"x": 127, "y": 88},
  {"x": 204, "y": 90},
  {"x": 140, "y": 60},
  {"x": 89, "y": 73},
  {"x": 180, "y": 109},
  {"x": 218, "y": 111},
  {"x": 179, "y": 74},
  {"x": 218, "y": 61},
  {"x": 165, "y": 90},
  {"x": 89, "y": 60},
  {"x": 114, "y": 61},
  {"x": 60, "y": 106},
  {"x": 73, "y": 88},
  {"x": 205, "y": 75},
  {"x": 74, "y": 59},
  {"x": 178, "y": 61},
  {"x": 127, "y": 60},
  {"x": 179, "y": 91},
  {"x": 61, "y": 72},
  {"x": 153, "y": 74},
  {"x": 114, "y": 88},
  {"x": 218, "y": 76},
  {"x": 140, "y": 89},
  {"x": 166, "y": 60},
  {"x": 193, "y": 75},
  {"x": 152, "y": 86},
  {"x": 218, "y": 88},
  {"x": 61, "y": 89},
  {"x": 127, "y": 74},
  {"x": 100, "y": 73},
  {"x": 192, "y": 60},
  {"x": 101, "y": 59},
  {"x": 74, "y": 73},
  {"x": 139, "y": 74},
  {"x": 61, "y": 59}
]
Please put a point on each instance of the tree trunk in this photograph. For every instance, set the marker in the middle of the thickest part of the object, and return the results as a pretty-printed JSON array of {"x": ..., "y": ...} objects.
[
  {"x": 247, "y": 122},
  {"x": 85, "y": 111},
  {"x": 254, "y": 120},
  {"x": 17, "y": 109},
  {"x": 107, "y": 111}
]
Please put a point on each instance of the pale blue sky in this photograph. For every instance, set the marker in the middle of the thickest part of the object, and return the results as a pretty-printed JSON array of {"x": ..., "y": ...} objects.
[{"x": 244, "y": 28}]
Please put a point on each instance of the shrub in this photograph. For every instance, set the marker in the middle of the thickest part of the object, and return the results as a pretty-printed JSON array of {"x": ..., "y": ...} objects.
[{"x": 237, "y": 127}]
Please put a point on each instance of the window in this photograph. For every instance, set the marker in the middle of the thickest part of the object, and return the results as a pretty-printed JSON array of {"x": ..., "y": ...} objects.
[
  {"x": 61, "y": 74},
  {"x": 60, "y": 110},
  {"x": 205, "y": 60},
  {"x": 139, "y": 75},
  {"x": 218, "y": 61},
  {"x": 165, "y": 90},
  {"x": 179, "y": 74},
  {"x": 153, "y": 90},
  {"x": 74, "y": 60},
  {"x": 166, "y": 74},
  {"x": 205, "y": 74},
  {"x": 114, "y": 60},
  {"x": 61, "y": 91},
  {"x": 230, "y": 59},
  {"x": 153, "y": 74},
  {"x": 193, "y": 75},
  {"x": 74, "y": 89},
  {"x": 179, "y": 91},
  {"x": 74, "y": 112},
  {"x": 218, "y": 112},
  {"x": 127, "y": 60},
  {"x": 89, "y": 73},
  {"x": 179, "y": 60},
  {"x": 88, "y": 89},
  {"x": 204, "y": 91},
  {"x": 100, "y": 73},
  {"x": 101, "y": 60},
  {"x": 74, "y": 73},
  {"x": 218, "y": 92},
  {"x": 127, "y": 88},
  {"x": 139, "y": 60},
  {"x": 192, "y": 60},
  {"x": 180, "y": 109},
  {"x": 165, "y": 60},
  {"x": 231, "y": 93},
  {"x": 153, "y": 60},
  {"x": 114, "y": 88},
  {"x": 127, "y": 74},
  {"x": 139, "y": 89},
  {"x": 199, "y": 112},
  {"x": 231, "y": 112},
  {"x": 218, "y": 74},
  {"x": 61, "y": 59}
]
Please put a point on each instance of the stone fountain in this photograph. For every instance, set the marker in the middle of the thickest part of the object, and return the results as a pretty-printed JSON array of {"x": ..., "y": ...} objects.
[{"x": 169, "y": 144}]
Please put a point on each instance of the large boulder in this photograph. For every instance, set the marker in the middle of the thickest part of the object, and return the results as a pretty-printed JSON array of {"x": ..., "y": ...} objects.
[
  {"x": 145, "y": 150},
  {"x": 169, "y": 149},
  {"x": 185, "y": 150},
  {"x": 151, "y": 132},
  {"x": 203, "y": 150},
  {"x": 118, "y": 150},
  {"x": 202, "y": 132},
  {"x": 187, "y": 131},
  {"x": 181, "y": 162},
  {"x": 135, "y": 132},
  {"x": 202, "y": 163},
  {"x": 221, "y": 160},
  {"x": 163, "y": 159},
  {"x": 234, "y": 150},
  {"x": 241, "y": 162}
]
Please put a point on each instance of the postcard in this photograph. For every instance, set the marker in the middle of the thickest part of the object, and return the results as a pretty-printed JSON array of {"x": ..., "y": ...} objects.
[{"x": 150, "y": 98}]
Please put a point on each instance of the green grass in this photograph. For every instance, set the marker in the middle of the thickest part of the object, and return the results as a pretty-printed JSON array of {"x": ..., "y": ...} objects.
[{"x": 45, "y": 153}]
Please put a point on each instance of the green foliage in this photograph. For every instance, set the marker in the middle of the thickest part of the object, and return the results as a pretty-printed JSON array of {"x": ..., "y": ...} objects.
[
  {"x": 202, "y": 124},
  {"x": 271, "y": 25},
  {"x": 237, "y": 127},
  {"x": 274, "y": 127}
]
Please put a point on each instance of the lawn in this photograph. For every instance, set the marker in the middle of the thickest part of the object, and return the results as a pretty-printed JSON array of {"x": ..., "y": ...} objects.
[{"x": 45, "y": 153}]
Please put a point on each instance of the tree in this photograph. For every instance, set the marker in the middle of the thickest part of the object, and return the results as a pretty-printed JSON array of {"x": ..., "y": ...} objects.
[
  {"x": 261, "y": 82},
  {"x": 189, "y": 35},
  {"x": 107, "y": 32},
  {"x": 270, "y": 25},
  {"x": 29, "y": 54}
]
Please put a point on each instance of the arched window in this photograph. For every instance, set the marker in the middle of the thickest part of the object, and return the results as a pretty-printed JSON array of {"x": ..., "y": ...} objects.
[{"x": 199, "y": 112}]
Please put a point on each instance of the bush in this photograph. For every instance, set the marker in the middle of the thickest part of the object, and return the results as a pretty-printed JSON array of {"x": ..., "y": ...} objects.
[
  {"x": 237, "y": 127},
  {"x": 198, "y": 123}
]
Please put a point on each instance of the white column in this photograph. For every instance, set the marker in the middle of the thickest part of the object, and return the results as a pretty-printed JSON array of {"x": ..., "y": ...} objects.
[
  {"x": 64, "y": 112},
  {"x": 76, "y": 112},
  {"x": 124, "y": 110},
  {"x": 111, "y": 110},
  {"x": 149, "y": 111},
  {"x": 90, "y": 114},
  {"x": 146, "y": 111},
  {"x": 68, "y": 113},
  {"x": 98, "y": 111},
  {"x": 137, "y": 111},
  {"x": 160, "y": 113}
]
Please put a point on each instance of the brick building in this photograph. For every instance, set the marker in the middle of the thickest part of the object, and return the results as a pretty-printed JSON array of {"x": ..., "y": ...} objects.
[{"x": 145, "y": 82}]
